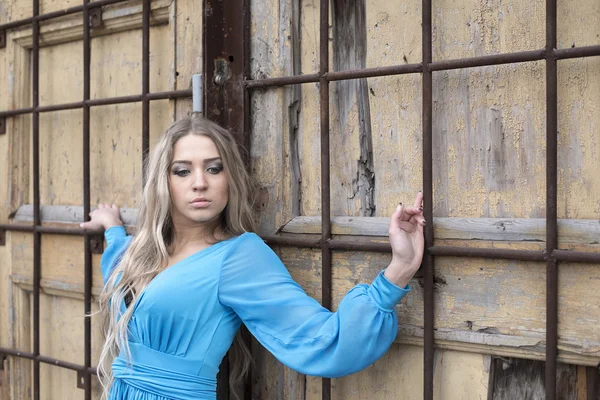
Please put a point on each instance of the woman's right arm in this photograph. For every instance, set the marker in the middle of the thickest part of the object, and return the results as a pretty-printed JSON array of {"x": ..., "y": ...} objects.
[
  {"x": 117, "y": 242},
  {"x": 107, "y": 217}
]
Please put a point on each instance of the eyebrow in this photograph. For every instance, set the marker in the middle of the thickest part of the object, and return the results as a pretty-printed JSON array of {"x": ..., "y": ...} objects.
[{"x": 206, "y": 161}]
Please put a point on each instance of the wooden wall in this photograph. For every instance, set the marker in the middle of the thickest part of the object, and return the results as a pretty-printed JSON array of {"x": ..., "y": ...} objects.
[{"x": 489, "y": 174}]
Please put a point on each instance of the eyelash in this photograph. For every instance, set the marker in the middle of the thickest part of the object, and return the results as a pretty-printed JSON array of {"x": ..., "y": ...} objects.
[{"x": 185, "y": 172}]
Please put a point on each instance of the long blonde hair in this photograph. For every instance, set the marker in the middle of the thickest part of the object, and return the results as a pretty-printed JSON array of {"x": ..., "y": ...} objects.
[{"x": 149, "y": 250}]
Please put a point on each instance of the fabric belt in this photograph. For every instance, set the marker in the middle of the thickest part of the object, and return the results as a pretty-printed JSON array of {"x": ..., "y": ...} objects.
[{"x": 164, "y": 374}]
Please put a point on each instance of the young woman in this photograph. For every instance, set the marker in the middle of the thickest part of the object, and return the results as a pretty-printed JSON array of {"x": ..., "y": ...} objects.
[{"x": 177, "y": 292}]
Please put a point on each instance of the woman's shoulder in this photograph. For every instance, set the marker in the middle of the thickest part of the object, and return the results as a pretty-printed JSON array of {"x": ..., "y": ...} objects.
[{"x": 247, "y": 244}]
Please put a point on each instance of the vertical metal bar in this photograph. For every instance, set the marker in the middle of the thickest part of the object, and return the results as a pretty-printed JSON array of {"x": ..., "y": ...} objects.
[
  {"x": 247, "y": 132},
  {"x": 35, "y": 61},
  {"x": 325, "y": 185},
  {"x": 145, "y": 82},
  {"x": 87, "y": 284},
  {"x": 428, "y": 350},
  {"x": 551, "y": 201}
]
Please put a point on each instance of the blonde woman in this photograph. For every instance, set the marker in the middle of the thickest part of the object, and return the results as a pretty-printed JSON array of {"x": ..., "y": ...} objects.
[{"x": 177, "y": 292}]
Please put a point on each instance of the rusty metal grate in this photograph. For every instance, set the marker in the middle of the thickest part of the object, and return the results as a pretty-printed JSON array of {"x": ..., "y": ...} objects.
[
  {"x": 92, "y": 17},
  {"x": 552, "y": 255}
]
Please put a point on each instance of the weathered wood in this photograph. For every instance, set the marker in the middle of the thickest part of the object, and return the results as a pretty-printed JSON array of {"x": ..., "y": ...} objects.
[
  {"x": 353, "y": 107},
  {"x": 524, "y": 379},
  {"x": 115, "y": 18},
  {"x": 570, "y": 231}
]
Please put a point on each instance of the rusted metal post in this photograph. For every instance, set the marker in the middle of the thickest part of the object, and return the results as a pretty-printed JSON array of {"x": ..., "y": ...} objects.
[
  {"x": 427, "y": 119},
  {"x": 551, "y": 202},
  {"x": 87, "y": 254}
]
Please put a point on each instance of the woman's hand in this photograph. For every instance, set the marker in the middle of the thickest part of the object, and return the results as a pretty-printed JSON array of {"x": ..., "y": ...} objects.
[
  {"x": 104, "y": 217},
  {"x": 406, "y": 238}
]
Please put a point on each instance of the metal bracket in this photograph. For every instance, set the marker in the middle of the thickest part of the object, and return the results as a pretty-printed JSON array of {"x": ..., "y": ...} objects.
[
  {"x": 80, "y": 380},
  {"x": 2, "y": 39},
  {"x": 97, "y": 244},
  {"x": 95, "y": 15},
  {"x": 2, "y": 240},
  {"x": 2, "y": 125},
  {"x": 222, "y": 71}
]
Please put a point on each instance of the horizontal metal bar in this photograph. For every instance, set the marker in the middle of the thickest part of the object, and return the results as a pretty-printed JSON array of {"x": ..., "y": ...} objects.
[
  {"x": 470, "y": 62},
  {"x": 59, "y": 13},
  {"x": 359, "y": 244},
  {"x": 100, "y": 102},
  {"x": 374, "y": 72},
  {"x": 292, "y": 242},
  {"x": 285, "y": 80},
  {"x": 175, "y": 94},
  {"x": 482, "y": 61},
  {"x": 18, "y": 228},
  {"x": 508, "y": 254},
  {"x": 14, "y": 113},
  {"x": 576, "y": 52},
  {"x": 50, "y": 229},
  {"x": 44, "y": 359},
  {"x": 576, "y": 256}
]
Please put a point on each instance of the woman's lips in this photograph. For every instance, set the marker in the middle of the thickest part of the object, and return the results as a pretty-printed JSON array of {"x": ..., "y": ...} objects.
[{"x": 200, "y": 203}]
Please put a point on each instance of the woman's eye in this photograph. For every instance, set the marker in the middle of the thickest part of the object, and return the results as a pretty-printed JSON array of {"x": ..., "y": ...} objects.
[
  {"x": 181, "y": 172},
  {"x": 214, "y": 170}
]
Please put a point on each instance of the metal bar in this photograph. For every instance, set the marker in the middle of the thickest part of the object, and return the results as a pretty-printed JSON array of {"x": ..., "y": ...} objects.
[
  {"x": 495, "y": 59},
  {"x": 374, "y": 72},
  {"x": 46, "y": 360},
  {"x": 325, "y": 161},
  {"x": 575, "y": 52},
  {"x": 174, "y": 94},
  {"x": 87, "y": 284},
  {"x": 99, "y": 102},
  {"x": 35, "y": 64},
  {"x": 145, "y": 84},
  {"x": 551, "y": 202},
  {"x": 427, "y": 118},
  {"x": 55, "y": 14},
  {"x": 576, "y": 256},
  {"x": 282, "y": 81},
  {"x": 507, "y": 254},
  {"x": 366, "y": 245}
]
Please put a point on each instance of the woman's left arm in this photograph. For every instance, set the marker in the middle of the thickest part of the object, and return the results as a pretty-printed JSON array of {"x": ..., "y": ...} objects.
[{"x": 294, "y": 327}]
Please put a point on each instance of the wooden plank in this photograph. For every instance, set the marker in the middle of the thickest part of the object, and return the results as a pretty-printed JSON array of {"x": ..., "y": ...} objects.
[{"x": 570, "y": 231}]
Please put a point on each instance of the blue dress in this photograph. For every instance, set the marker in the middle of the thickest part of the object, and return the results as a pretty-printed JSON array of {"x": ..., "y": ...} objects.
[{"x": 185, "y": 321}]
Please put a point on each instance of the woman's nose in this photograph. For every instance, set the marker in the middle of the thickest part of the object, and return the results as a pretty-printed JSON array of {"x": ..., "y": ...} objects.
[{"x": 200, "y": 182}]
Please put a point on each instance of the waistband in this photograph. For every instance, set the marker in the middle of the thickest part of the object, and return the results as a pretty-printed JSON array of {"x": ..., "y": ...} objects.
[{"x": 163, "y": 374}]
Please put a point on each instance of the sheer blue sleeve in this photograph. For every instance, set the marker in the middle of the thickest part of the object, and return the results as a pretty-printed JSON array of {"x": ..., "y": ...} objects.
[
  {"x": 294, "y": 327},
  {"x": 117, "y": 242}
]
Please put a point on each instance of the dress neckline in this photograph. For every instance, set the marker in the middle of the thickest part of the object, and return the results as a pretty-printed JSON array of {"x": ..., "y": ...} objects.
[{"x": 192, "y": 257}]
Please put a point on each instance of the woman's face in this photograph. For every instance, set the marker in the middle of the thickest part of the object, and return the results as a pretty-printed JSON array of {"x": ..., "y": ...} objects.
[{"x": 197, "y": 181}]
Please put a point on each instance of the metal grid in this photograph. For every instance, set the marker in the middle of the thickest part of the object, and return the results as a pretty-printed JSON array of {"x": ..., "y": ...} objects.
[
  {"x": 90, "y": 14},
  {"x": 551, "y": 255}
]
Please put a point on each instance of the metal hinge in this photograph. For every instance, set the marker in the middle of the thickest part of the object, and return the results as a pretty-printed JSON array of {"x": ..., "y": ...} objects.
[{"x": 80, "y": 380}]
